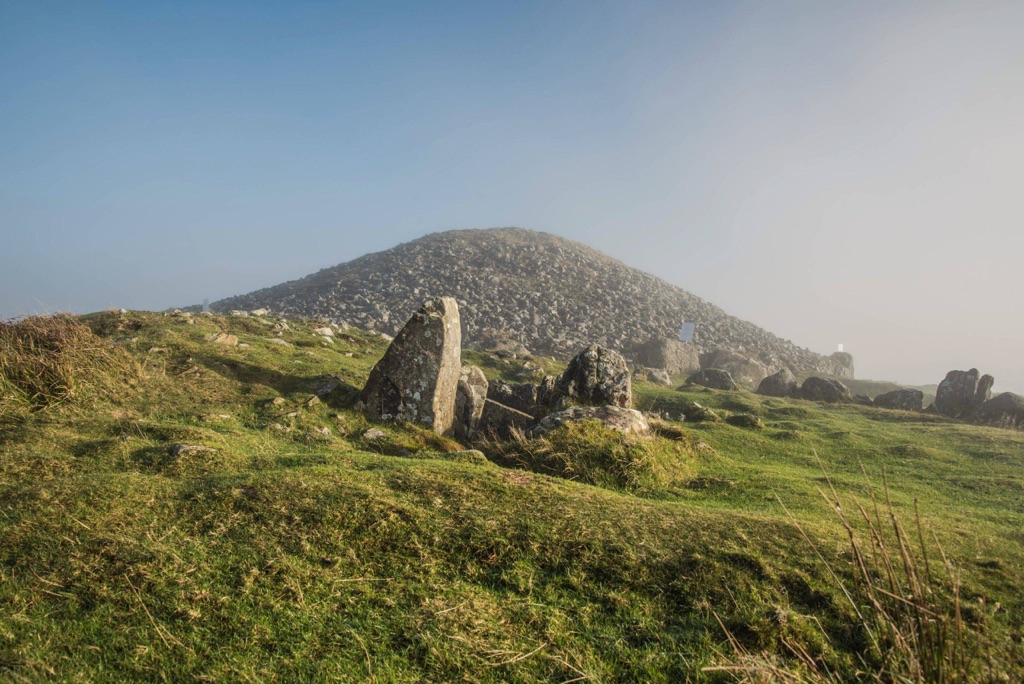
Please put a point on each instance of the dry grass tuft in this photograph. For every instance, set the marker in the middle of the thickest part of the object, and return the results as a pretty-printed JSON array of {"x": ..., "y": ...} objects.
[{"x": 49, "y": 360}]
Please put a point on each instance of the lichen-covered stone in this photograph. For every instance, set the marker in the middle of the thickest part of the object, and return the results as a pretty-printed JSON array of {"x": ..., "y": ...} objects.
[
  {"x": 418, "y": 377},
  {"x": 596, "y": 376},
  {"x": 469, "y": 401},
  {"x": 629, "y": 421}
]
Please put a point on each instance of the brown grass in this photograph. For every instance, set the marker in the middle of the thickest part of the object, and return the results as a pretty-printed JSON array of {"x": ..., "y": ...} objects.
[{"x": 50, "y": 360}]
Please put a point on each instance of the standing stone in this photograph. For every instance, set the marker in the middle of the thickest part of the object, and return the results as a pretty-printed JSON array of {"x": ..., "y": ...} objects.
[
  {"x": 825, "y": 389},
  {"x": 781, "y": 384},
  {"x": 597, "y": 376},
  {"x": 418, "y": 377},
  {"x": 469, "y": 401},
  {"x": 901, "y": 399},
  {"x": 961, "y": 392}
]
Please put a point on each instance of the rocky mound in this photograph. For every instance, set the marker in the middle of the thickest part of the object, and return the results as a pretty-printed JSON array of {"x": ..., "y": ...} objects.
[{"x": 519, "y": 287}]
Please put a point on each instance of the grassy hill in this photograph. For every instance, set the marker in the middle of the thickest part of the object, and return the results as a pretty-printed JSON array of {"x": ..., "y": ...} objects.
[{"x": 287, "y": 544}]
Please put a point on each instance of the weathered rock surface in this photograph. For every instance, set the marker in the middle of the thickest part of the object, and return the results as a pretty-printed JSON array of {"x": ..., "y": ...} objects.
[
  {"x": 540, "y": 291},
  {"x": 842, "y": 364},
  {"x": 678, "y": 358},
  {"x": 470, "y": 396},
  {"x": 521, "y": 396},
  {"x": 499, "y": 420},
  {"x": 624, "y": 420},
  {"x": 659, "y": 376},
  {"x": 1005, "y": 410},
  {"x": 824, "y": 389},
  {"x": 418, "y": 377},
  {"x": 744, "y": 370},
  {"x": 961, "y": 392},
  {"x": 596, "y": 376},
  {"x": 901, "y": 400},
  {"x": 781, "y": 384},
  {"x": 223, "y": 338},
  {"x": 715, "y": 378}
]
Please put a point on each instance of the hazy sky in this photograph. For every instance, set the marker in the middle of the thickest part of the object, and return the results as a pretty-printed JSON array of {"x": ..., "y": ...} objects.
[{"x": 835, "y": 172}]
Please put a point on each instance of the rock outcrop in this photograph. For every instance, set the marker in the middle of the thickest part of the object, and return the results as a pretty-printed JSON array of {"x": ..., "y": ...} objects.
[
  {"x": 596, "y": 376},
  {"x": 901, "y": 400},
  {"x": 781, "y": 384},
  {"x": 525, "y": 289},
  {"x": 469, "y": 401},
  {"x": 417, "y": 379},
  {"x": 961, "y": 392},
  {"x": 715, "y": 378},
  {"x": 824, "y": 389},
  {"x": 842, "y": 364},
  {"x": 617, "y": 418},
  {"x": 1005, "y": 410}
]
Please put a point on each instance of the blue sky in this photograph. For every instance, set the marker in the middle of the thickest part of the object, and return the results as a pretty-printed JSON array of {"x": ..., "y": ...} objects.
[{"x": 833, "y": 172}]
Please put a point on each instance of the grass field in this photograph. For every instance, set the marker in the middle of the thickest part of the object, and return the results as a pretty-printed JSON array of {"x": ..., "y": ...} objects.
[{"x": 294, "y": 548}]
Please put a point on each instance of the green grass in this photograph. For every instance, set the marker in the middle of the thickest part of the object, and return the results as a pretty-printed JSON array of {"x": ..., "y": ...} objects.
[{"x": 290, "y": 553}]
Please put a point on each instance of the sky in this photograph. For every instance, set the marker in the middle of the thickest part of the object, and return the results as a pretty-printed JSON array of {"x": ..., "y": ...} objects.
[{"x": 834, "y": 172}]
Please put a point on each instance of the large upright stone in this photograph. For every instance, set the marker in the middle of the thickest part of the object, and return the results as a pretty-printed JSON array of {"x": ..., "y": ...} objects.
[
  {"x": 469, "y": 401},
  {"x": 596, "y": 376},
  {"x": 418, "y": 377},
  {"x": 961, "y": 392}
]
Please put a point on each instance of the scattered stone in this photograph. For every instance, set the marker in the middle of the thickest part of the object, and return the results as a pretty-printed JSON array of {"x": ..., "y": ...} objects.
[
  {"x": 279, "y": 427},
  {"x": 498, "y": 420},
  {"x": 260, "y": 312},
  {"x": 312, "y": 401},
  {"x": 325, "y": 431},
  {"x": 715, "y": 378},
  {"x": 659, "y": 376},
  {"x": 625, "y": 420},
  {"x": 374, "y": 434},
  {"x": 1005, "y": 410},
  {"x": 243, "y": 345},
  {"x": 418, "y": 377},
  {"x": 863, "y": 400},
  {"x": 744, "y": 370},
  {"x": 596, "y": 376},
  {"x": 325, "y": 332},
  {"x": 468, "y": 456},
  {"x": 469, "y": 401},
  {"x": 324, "y": 385},
  {"x": 223, "y": 338},
  {"x": 781, "y": 384},
  {"x": 901, "y": 400},
  {"x": 697, "y": 413},
  {"x": 825, "y": 389},
  {"x": 179, "y": 450},
  {"x": 278, "y": 340},
  {"x": 278, "y": 401},
  {"x": 745, "y": 420}
]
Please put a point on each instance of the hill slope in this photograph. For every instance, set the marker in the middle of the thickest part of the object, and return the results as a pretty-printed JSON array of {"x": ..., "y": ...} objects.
[
  {"x": 550, "y": 294},
  {"x": 290, "y": 545}
]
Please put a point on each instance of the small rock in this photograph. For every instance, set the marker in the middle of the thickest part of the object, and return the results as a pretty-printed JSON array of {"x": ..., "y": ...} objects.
[
  {"x": 223, "y": 338},
  {"x": 374, "y": 434},
  {"x": 629, "y": 421},
  {"x": 278, "y": 340},
  {"x": 715, "y": 378},
  {"x": 278, "y": 401},
  {"x": 745, "y": 420},
  {"x": 901, "y": 400},
  {"x": 179, "y": 450}
]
